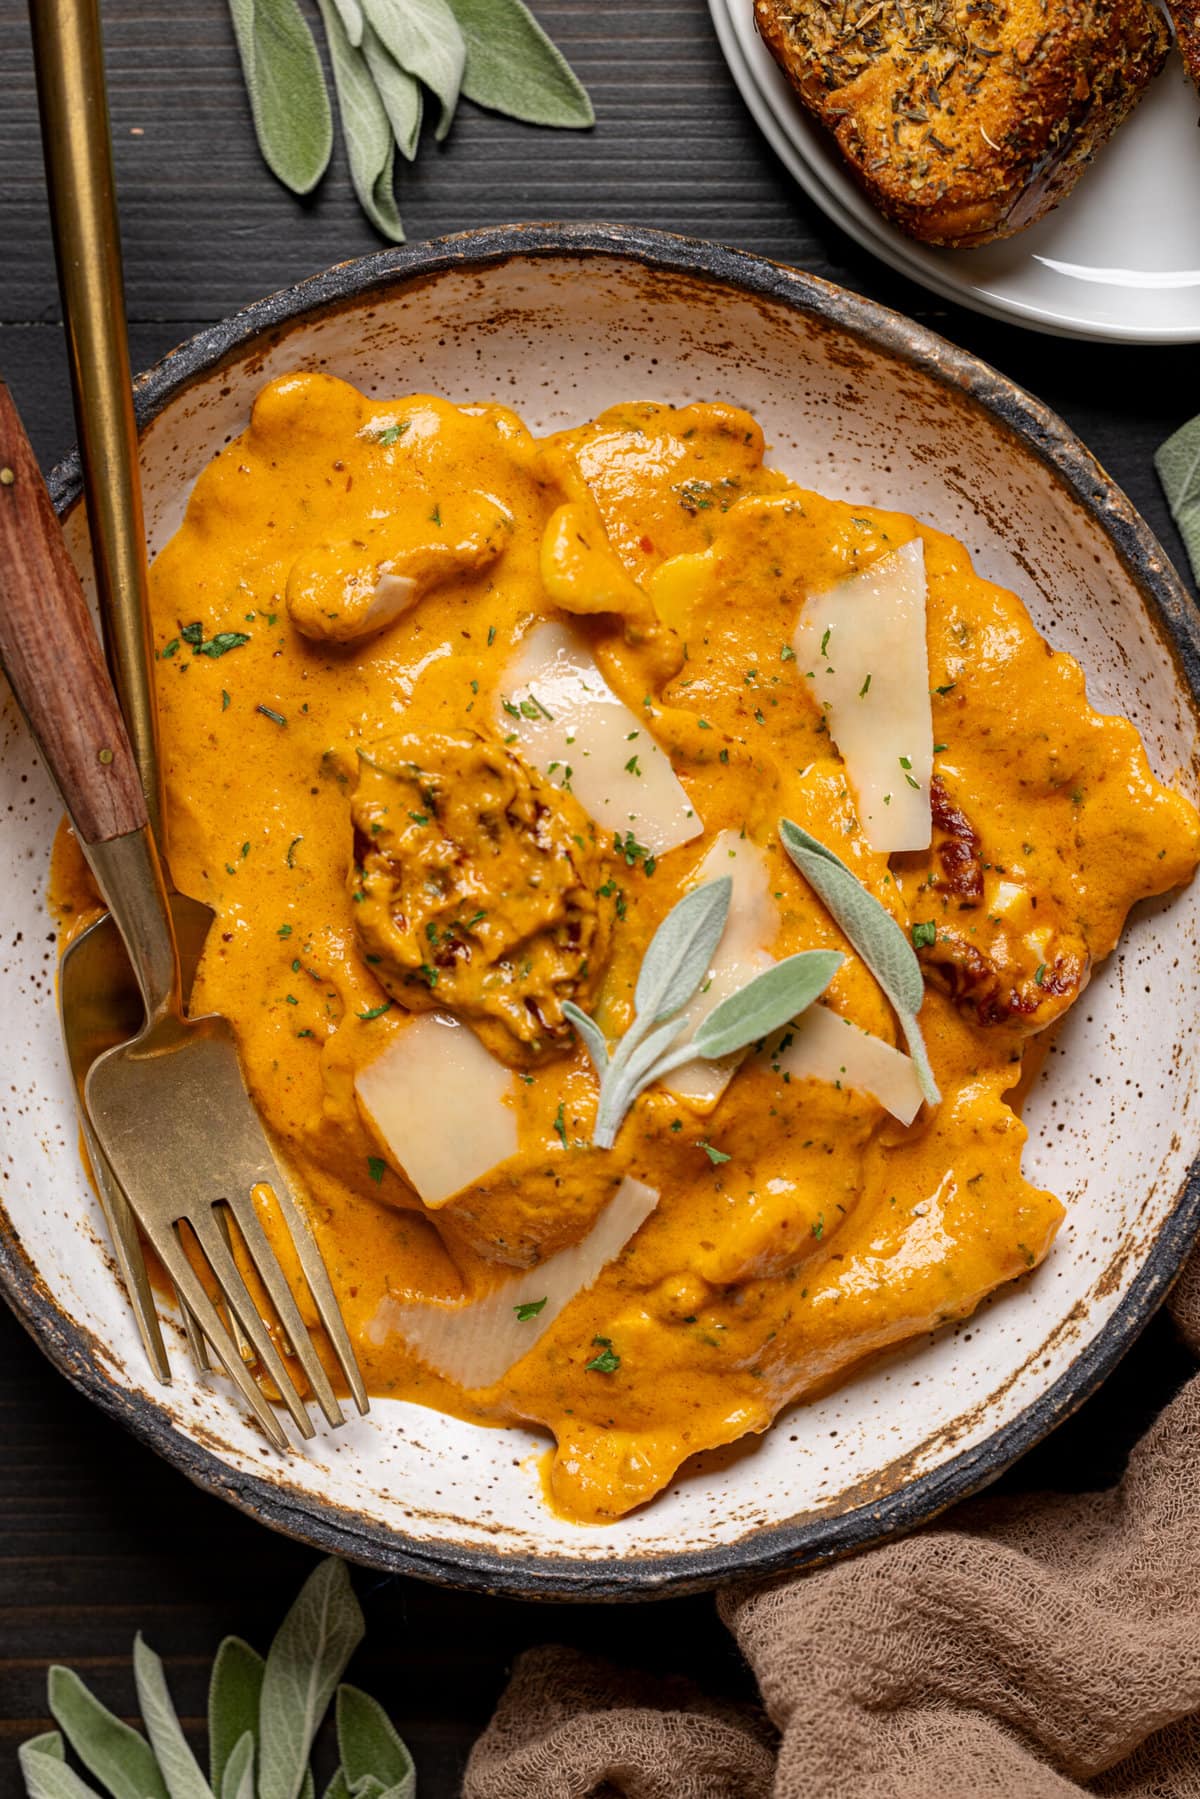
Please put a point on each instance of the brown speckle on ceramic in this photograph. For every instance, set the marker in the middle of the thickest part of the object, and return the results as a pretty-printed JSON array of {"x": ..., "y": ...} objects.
[{"x": 560, "y": 322}]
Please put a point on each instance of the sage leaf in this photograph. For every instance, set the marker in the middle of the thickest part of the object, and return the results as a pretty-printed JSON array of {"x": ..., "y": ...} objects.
[
  {"x": 46, "y": 1774},
  {"x": 233, "y": 1698},
  {"x": 366, "y": 127},
  {"x": 48, "y": 1743},
  {"x": 680, "y": 954},
  {"x": 238, "y": 1776},
  {"x": 1178, "y": 465},
  {"x": 117, "y": 1755},
  {"x": 305, "y": 1663},
  {"x": 424, "y": 38},
  {"x": 624, "y": 1080},
  {"x": 594, "y": 1039},
  {"x": 765, "y": 1004},
  {"x": 874, "y": 933},
  {"x": 369, "y": 1744},
  {"x": 351, "y": 15},
  {"x": 400, "y": 92},
  {"x": 178, "y": 1766},
  {"x": 286, "y": 85},
  {"x": 512, "y": 67}
]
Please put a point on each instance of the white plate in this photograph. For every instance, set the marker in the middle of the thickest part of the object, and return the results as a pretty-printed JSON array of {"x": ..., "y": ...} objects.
[
  {"x": 1119, "y": 260},
  {"x": 560, "y": 322}
]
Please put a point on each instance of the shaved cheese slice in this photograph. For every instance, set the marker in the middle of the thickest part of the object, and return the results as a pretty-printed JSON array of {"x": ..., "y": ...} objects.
[
  {"x": 752, "y": 923},
  {"x": 475, "y": 1344},
  {"x": 864, "y": 641},
  {"x": 570, "y": 724},
  {"x": 436, "y": 1099},
  {"x": 823, "y": 1046}
]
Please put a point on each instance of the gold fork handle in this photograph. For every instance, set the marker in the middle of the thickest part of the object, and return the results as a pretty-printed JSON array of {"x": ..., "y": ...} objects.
[
  {"x": 77, "y": 147},
  {"x": 51, "y": 656}
]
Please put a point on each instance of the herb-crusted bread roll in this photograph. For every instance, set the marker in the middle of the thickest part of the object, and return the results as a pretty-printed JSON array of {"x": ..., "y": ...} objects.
[
  {"x": 966, "y": 120},
  {"x": 1185, "y": 16}
]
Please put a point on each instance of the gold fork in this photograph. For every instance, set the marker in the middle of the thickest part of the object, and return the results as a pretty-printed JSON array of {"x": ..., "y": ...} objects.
[
  {"x": 99, "y": 1002},
  {"x": 169, "y": 1108}
]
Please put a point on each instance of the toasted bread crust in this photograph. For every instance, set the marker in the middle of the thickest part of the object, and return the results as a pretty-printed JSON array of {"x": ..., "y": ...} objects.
[
  {"x": 966, "y": 120},
  {"x": 1185, "y": 15}
]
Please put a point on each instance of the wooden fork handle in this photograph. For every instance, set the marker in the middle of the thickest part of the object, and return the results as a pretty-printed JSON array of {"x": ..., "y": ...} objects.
[{"x": 52, "y": 656}]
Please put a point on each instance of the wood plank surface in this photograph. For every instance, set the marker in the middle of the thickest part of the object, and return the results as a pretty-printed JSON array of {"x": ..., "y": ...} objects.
[{"x": 97, "y": 1537}]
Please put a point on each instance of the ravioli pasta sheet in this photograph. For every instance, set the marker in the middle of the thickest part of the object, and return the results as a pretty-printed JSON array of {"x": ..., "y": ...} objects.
[{"x": 452, "y": 716}]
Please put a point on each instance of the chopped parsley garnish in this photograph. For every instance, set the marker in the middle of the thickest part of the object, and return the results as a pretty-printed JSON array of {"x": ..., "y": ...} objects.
[
  {"x": 865, "y": 689},
  {"x": 375, "y": 1168},
  {"x": 924, "y": 934},
  {"x": 375, "y": 1011},
  {"x": 222, "y": 643},
  {"x": 285, "y": 930},
  {"x": 528, "y": 1309},
  {"x": 1040, "y": 976},
  {"x": 419, "y": 818},
  {"x": 192, "y": 634},
  {"x": 948, "y": 688},
  {"x": 634, "y": 852},
  {"x": 825, "y": 640},
  {"x": 291, "y": 851},
  {"x": 631, "y": 767},
  {"x": 169, "y": 649},
  {"x": 608, "y": 1361},
  {"x": 818, "y": 1229},
  {"x": 428, "y": 975},
  {"x": 392, "y": 433},
  {"x": 560, "y": 1125},
  {"x": 226, "y": 702},
  {"x": 787, "y": 653},
  {"x": 715, "y": 1156},
  {"x": 276, "y": 718}
]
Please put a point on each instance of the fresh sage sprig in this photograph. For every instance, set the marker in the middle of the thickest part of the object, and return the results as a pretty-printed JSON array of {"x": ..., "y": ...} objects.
[
  {"x": 875, "y": 935},
  {"x": 1178, "y": 465},
  {"x": 385, "y": 55},
  {"x": 677, "y": 960},
  {"x": 262, "y": 1719}
]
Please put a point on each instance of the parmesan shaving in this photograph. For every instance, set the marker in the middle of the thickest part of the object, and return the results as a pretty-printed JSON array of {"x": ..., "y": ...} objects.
[
  {"x": 475, "y": 1344},
  {"x": 570, "y": 724},
  {"x": 823, "y": 1046},
  {"x": 864, "y": 643},
  {"x": 437, "y": 1100}
]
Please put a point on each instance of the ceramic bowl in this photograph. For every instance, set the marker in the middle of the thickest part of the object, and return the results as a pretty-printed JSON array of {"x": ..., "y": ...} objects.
[{"x": 859, "y": 403}]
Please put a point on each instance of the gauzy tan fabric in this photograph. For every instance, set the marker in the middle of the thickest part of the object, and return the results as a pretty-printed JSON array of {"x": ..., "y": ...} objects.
[{"x": 1026, "y": 1648}]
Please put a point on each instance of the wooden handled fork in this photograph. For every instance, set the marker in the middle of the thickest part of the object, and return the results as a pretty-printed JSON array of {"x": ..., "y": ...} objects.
[{"x": 169, "y": 1108}]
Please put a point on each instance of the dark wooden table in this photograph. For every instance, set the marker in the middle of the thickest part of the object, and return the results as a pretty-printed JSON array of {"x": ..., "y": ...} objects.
[{"x": 97, "y": 1537}]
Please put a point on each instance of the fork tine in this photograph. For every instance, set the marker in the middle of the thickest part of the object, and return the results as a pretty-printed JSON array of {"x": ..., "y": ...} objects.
[
  {"x": 317, "y": 1275},
  {"x": 266, "y": 1265},
  {"x": 237, "y": 1296},
  {"x": 127, "y": 1247},
  {"x": 194, "y": 1335},
  {"x": 171, "y": 1252},
  {"x": 244, "y": 1346}
]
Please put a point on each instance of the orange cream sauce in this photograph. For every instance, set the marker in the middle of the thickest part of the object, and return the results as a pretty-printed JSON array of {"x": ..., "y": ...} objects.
[{"x": 830, "y": 1231}]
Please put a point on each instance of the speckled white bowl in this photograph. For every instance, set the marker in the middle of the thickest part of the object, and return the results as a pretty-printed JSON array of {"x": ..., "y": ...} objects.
[{"x": 560, "y": 322}]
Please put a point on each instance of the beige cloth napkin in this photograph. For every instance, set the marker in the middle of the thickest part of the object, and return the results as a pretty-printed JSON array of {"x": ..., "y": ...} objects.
[{"x": 1023, "y": 1648}]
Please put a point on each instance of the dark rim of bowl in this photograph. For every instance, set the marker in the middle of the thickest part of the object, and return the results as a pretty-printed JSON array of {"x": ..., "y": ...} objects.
[{"x": 802, "y": 1542}]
